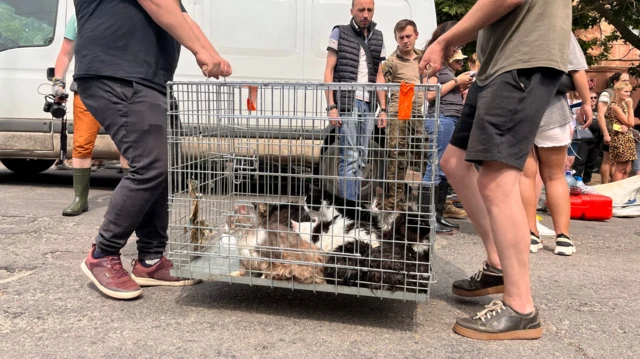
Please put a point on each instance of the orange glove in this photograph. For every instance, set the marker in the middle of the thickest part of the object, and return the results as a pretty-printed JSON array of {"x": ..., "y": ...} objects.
[{"x": 405, "y": 102}]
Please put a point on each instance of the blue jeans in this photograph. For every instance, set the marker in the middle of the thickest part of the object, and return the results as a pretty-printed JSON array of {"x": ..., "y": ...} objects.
[
  {"x": 354, "y": 135},
  {"x": 445, "y": 132},
  {"x": 636, "y": 163}
]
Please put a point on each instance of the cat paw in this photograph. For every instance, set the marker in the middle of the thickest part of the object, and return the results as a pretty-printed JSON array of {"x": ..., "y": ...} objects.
[{"x": 239, "y": 273}]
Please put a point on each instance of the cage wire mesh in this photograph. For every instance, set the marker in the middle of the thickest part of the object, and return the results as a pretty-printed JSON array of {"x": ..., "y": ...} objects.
[{"x": 264, "y": 191}]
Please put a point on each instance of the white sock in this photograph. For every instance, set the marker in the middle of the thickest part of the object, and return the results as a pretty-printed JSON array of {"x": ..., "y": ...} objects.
[{"x": 151, "y": 262}]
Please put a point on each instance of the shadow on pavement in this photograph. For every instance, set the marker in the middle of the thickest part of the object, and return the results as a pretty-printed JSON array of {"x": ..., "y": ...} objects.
[
  {"x": 325, "y": 307},
  {"x": 106, "y": 179}
]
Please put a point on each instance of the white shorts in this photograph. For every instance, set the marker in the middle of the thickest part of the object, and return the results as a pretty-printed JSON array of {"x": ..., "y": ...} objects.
[{"x": 554, "y": 137}]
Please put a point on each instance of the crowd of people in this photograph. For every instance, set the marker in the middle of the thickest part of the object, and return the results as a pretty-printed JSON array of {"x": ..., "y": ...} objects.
[{"x": 505, "y": 127}]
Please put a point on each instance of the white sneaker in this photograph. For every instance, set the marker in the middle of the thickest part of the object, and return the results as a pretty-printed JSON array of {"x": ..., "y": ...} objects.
[
  {"x": 564, "y": 246},
  {"x": 536, "y": 243}
]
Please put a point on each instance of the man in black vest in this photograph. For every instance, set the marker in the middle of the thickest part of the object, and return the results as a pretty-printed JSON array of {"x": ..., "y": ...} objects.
[{"x": 355, "y": 52}]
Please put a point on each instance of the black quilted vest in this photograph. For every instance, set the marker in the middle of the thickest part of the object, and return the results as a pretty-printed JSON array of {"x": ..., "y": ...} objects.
[{"x": 346, "y": 69}]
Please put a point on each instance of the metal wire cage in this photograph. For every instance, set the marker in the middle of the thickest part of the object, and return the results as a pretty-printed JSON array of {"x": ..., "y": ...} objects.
[{"x": 265, "y": 191}]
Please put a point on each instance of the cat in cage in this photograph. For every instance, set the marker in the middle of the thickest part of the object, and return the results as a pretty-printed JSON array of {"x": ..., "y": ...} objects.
[
  {"x": 336, "y": 221},
  {"x": 282, "y": 213},
  {"x": 393, "y": 265},
  {"x": 362, "y": 253},
  {"x": 267, "y": 247},
  {"x": 402, "y": 262}
]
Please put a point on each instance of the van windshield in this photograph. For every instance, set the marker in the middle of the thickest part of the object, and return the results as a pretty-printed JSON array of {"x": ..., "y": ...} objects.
[{"x": 27, "y": 23}]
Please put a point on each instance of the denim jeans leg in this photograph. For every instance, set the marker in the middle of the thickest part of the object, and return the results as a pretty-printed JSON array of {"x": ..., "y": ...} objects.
[
  {"x": 430, "y": 131},
  {"x": 636, "y": 163},
  {"x": 447, "y": 126},
  {"x": 348, "y": 163},
  {"x": 367, "y": 121}
]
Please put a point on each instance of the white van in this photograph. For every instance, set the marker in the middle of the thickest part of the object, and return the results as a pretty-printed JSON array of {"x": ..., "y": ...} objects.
[{"x": 273, "y": 40}]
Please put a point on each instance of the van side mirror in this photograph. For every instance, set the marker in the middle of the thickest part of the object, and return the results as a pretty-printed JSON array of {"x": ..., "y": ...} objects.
[{"x": 51, "y": 73}]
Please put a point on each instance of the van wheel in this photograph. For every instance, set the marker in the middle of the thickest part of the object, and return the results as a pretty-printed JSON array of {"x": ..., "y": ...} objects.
[
  {"x": 21, "y": 166},
  {"x": 372, "y": 174}
]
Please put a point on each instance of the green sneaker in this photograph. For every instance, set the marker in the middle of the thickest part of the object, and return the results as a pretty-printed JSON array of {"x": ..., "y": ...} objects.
[{"x": 499, "y": 322}]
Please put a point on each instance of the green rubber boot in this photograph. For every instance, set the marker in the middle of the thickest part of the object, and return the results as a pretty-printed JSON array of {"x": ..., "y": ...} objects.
[{"x": 80, "y": 202}]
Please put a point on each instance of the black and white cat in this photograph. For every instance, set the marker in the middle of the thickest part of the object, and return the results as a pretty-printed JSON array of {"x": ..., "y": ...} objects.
[
  {"x": 400, "y": 263},
  {"x": 336, "y": 221}
]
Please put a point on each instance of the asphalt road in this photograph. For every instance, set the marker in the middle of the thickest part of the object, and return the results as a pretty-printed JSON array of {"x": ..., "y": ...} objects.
[{"x": 588, "y": 302}]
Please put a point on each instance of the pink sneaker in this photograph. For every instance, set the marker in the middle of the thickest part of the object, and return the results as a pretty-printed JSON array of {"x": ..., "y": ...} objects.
[{"x": 158, "y": 274}]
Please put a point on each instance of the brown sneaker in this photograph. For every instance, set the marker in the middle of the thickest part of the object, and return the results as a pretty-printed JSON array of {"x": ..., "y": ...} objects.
[
  {"x": 499, "y": 322},
  {"x": 158, "y": 274},
  {"x": 451, "y": 211},
  {"x": 109, "y": 276}
]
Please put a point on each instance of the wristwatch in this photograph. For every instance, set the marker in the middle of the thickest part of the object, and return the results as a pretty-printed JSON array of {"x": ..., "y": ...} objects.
[
  {"x": 455, "y": 79},
  {"x": 331, "y": 107},
  {"x": 383, "y": 110}
]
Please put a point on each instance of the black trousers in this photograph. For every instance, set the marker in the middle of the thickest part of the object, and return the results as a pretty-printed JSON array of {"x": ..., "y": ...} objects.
[
  {"x": 135, "y": 116},
  {"x": 587, "y": 157}
]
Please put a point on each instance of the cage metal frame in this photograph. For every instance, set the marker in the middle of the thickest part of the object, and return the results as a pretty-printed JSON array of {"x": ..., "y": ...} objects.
[{"x": 215, "y": 135}]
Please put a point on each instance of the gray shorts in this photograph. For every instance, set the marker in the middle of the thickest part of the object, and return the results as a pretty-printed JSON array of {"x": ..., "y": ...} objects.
[{"x": 499, "y": 121}]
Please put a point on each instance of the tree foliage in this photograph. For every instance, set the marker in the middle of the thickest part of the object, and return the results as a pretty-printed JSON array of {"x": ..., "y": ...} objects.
[{"x": 623, "y": 15}]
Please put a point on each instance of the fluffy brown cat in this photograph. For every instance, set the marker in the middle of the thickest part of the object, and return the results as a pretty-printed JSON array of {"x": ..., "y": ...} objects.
[{"x": 270, "y": 248}]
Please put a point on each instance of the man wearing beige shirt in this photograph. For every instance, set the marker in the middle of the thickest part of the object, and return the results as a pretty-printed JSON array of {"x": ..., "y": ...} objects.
[{"x": 402, "y": 66}]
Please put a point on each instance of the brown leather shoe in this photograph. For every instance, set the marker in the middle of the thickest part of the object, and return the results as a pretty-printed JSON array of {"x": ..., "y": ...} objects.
[
  {"x": 158, "y": 274},
  {"x": 109, "y": 276},
  {"x": 498, "y": 321}
]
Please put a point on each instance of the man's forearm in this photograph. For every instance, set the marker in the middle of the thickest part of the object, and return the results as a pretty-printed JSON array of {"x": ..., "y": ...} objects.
[
  {"x": 601, "y": 120},
  {"x": 381, "y": 94},
  {"x": 481, "y": 15},
  {"x": 328, "y": 78},
  {"x": 62, "y": 66},
  {"x": 582, "y": 85},
  {"x": 168, "y": 15},
  {"x": 64, "y": 58},
  {"x": 201, "y": 36}
]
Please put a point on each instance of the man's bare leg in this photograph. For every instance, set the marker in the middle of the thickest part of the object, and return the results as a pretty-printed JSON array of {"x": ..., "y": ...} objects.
[
  {"x": 463, "y": 177},
  {"x": 499, "y": 185}
]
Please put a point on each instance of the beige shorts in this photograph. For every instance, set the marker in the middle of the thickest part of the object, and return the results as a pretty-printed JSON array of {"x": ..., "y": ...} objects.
[{"x": 554, "y": 137}]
